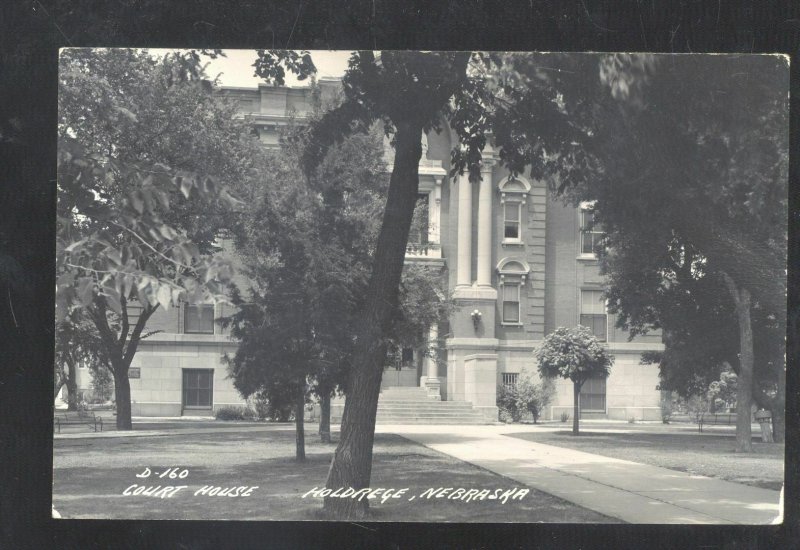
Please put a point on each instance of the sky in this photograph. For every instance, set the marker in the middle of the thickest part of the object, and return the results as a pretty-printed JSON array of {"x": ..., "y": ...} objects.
[{"x": 236, "y": 68}]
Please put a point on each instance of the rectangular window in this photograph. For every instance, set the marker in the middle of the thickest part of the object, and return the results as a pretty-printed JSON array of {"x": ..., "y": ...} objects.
[
  {"x": 198, "y": 319},
  {"x": 510, "y": 379},
  {"x": 198, "y": 386},
  {"x": 593, "y": 313},
  {"x": 408, "y": 356},
  {"x": 511, "y": 303},
  {"x": 511, "y": 221},
  {"x": 593, "y": 395},
  {"x": 591, "y": 235}
]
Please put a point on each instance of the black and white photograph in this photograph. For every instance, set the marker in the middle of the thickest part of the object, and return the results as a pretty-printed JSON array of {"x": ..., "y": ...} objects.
[
  {"x": 417, "y": 286},
  {"x": 421, "y": 286}
]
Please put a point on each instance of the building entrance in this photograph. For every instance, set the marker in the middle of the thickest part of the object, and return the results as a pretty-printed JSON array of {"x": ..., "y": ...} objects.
[{"x": 402, "y": 370}]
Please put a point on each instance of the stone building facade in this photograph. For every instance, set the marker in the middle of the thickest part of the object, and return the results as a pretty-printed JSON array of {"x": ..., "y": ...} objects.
[{"x": 518, "y": 262}]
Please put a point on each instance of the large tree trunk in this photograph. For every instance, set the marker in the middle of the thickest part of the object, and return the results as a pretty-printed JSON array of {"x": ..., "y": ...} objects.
[
  {"x": 778, "y": 408},
  {"x": 299, "y": 426},
  {"x": 777, "y": 404},
  {"x": 576, "y": 408},
  {"x": 122, "y": 397},
  {"x": 325, "y": 419},
  {"x": 744, "y": 394},
  {"x": 121, "y": 354},
  {"x": 352, "y": 460},
  {"x": 72, "y": 387}
]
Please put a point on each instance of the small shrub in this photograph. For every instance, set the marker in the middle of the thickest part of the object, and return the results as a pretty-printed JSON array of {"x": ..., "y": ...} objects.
[
  {"x": 526, "y": 396},
  {"x": 507, "y": 403},
  {"x": 280, "y": 409},
  {"x": 564, "y": 416},
  {"x": 632, "y": 420},
  {"x": 235, "y": 413},
  {"x": 261, "y": 407}
]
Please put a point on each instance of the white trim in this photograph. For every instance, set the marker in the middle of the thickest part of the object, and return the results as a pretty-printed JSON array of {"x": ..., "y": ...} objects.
[
  {"x": 503, "y": 186},
  {"x": 470, "y": 343},
  {"x": 501, "y": 266},
  {"x": 481, "y": 357}
]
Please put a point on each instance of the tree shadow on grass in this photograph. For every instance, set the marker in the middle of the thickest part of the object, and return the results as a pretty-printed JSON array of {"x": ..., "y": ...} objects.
[{"x": 92, "y": 486}]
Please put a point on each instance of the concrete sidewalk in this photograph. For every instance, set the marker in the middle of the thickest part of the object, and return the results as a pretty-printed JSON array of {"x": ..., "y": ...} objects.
[{"x": 632, "y": 492}]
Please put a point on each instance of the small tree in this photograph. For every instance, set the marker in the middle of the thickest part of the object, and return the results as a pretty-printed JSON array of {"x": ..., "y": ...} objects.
[
  {"x": 576, "y": 354},
  {"x": 723, "y": 392}
]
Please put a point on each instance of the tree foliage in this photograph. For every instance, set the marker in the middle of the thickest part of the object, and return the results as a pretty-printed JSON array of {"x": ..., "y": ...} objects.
[
  {"x": 574, "y": 354},
  {"x": 722, "y": 392},
  {"x": 689, "y": 180},
  {"x": 145, "y": 155}
]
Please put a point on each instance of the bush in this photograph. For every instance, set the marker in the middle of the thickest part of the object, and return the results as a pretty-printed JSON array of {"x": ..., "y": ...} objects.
[
  {"x": 266, "y": 409},
  {"x": 564, "y": 417},
  {"x": 235, "y": 413},
  {"x": 261, "y": 407},
  {"x": 526, "y": 396}
]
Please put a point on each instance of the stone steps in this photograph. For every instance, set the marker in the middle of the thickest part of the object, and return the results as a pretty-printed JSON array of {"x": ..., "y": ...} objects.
[{"x": 412, "y": 405}]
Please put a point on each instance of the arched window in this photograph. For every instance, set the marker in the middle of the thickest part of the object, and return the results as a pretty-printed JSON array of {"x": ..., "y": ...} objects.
[
  {"x": 513, "y": 273},
  {"x": 513, "y": 194}
]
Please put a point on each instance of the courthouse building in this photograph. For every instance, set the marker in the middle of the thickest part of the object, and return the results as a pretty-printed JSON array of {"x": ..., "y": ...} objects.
[{"x": 518, "y": 263}]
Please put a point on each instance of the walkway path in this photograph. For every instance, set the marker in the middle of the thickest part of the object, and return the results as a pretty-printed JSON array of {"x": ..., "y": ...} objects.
[{"x": 632, "y": 492}]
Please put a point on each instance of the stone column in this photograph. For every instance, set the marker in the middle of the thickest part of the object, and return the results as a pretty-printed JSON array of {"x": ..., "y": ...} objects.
[
  {"x": 432, "y": 381},
  {"x": 484, "y": 275},
  {"x": 464, "y": 268}
]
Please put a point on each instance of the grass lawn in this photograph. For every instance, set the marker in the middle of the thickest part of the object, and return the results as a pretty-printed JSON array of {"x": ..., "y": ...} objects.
[
  {"x": 707, "y": 454},
  {"x": 91, "y": 473}
]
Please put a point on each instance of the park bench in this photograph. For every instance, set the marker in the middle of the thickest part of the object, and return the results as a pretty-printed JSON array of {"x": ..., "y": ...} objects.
[
  {"x": 86, "y": 418},
  {"x": 717, "y": 419}
]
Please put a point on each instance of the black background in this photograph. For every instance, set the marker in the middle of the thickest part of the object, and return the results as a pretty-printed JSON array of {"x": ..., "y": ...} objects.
[{"x": 31, "y": 33}]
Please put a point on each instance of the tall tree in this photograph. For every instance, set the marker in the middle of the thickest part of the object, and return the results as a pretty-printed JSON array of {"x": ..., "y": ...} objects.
[
  {"x": 139, "y": 137},
  {"x": 701, "y": 162},
  {"x": 306, "y": 243},
  {"x": 409, "y": 92},
  {"x": 678, "y": 292}
]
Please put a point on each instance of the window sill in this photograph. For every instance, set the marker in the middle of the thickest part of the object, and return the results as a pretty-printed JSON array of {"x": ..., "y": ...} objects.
[
  {"x": 510, "y": 242},
  {"x": 587, "y": 257},
  {"x": 510, "y": 324}
]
